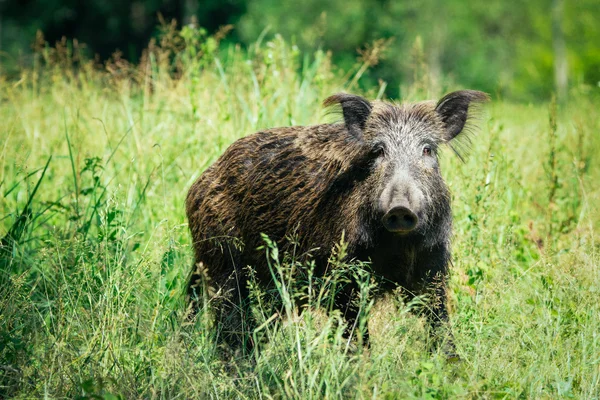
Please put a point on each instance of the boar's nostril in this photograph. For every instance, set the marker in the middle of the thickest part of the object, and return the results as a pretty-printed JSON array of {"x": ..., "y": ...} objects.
[{"x": 400, "y": 220}]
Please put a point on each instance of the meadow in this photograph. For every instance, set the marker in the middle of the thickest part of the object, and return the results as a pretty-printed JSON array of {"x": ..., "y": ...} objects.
[{"x": 95, "y": 164}]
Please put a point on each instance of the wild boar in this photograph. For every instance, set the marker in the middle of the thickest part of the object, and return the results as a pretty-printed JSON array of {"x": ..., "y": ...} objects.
[{"x": 375, "y": 178}]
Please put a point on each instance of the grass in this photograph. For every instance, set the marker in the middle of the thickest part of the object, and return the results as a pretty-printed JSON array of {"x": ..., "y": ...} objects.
[{"x": 94, "y": 169}]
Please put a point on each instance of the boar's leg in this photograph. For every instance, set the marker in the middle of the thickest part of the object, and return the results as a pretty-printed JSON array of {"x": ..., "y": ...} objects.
[
  {"x": 434, "y": 270},
  {"x": 233, "y": 313},
  {"x": 346, "y": 300},
  {"x": 437, "y": 318},
  {"x": 220, "y": 280}
]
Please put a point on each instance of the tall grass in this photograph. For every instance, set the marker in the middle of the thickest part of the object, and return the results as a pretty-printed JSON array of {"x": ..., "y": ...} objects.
[{"x": 95, "y": 165}]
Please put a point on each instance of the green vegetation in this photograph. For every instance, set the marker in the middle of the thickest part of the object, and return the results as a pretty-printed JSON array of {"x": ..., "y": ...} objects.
[
  {"x": 520, "y": 51},
  {"x": 95, "y": 166},
  {"x": 504, "y": 48}
]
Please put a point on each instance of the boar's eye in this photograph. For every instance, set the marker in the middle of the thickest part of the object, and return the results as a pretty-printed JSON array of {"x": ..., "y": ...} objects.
[
  {"x": 376, "y": 151},
  {"x": 427, "y": 150}
]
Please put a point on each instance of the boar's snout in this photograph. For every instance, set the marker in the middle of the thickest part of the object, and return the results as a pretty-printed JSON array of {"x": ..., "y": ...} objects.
[
  {"x": 401, "y": 202},
  {"x": 400, "y": 219}
]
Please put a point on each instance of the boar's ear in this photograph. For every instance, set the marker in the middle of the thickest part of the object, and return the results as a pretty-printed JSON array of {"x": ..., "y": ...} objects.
[
  {"x": 355, "y": 109},
  {"x": 454, "y": 109}
]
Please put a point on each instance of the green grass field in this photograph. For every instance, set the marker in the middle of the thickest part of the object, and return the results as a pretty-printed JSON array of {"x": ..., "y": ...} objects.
[{"x": 94, "y": 169}]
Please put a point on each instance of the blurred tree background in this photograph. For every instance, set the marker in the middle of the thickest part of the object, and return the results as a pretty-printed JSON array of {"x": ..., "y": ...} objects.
[{"x": 522, "y": 51}]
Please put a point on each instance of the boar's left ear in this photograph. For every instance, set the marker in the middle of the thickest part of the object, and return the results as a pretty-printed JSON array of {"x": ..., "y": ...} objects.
[
  {"x": 454, "y": 107},
  {"x": 356, "y": 111}
]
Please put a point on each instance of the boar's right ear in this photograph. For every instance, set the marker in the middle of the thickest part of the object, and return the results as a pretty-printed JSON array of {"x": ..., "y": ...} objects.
[
  {"x": 454, "y": 107},
  {"x": 356, "y": 111}
]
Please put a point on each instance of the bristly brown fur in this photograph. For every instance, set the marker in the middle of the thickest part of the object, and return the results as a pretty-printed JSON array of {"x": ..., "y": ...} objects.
[{"x": 321, "y": 182}]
